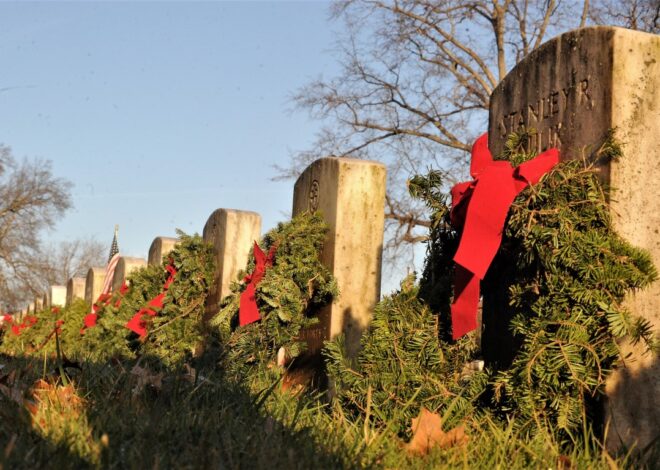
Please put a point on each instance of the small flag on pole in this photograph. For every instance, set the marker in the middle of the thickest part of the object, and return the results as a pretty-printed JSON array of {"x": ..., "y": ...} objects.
[{"x": 113, "y": 259}]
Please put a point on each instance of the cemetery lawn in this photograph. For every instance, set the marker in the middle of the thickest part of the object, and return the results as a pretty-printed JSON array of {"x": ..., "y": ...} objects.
[{"x": 120, "y": 415}]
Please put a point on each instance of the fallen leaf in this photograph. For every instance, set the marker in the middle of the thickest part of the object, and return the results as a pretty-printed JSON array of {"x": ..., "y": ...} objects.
[
  {"x": 428, "y": 433},
  {"x": 564, "y": 463},
  {"x": 295, "y": 381}
]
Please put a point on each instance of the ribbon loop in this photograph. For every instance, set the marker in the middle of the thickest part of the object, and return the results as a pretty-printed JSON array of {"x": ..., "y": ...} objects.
[{"x": 479, "y": 209}]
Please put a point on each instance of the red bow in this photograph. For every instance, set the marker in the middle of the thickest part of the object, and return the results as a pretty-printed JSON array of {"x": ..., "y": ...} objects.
[
  {"x": 137, "y": 324},
  {"x": 480, "y": 208},
  {"x": 90, "y": 319},
  {"x": 248, "y": 311},
  {"x": 28, "y": 321}
]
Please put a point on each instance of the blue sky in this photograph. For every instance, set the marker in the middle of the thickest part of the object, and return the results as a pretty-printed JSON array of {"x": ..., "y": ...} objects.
[{"x": 159, "y": 113}]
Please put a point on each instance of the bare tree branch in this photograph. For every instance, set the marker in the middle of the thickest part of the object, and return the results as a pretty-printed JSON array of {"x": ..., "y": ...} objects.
[{"x": 416, "y": 80}]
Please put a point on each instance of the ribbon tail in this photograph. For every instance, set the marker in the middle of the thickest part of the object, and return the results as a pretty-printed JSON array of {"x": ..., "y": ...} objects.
[
  {"x": 137, "y": 325},
  {"x": 248, "y": 311},
  {"x": 466, "y": 302}
]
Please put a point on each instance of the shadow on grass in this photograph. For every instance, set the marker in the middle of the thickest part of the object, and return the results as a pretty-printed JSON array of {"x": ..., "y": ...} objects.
[{"x": 133, "y": 420}]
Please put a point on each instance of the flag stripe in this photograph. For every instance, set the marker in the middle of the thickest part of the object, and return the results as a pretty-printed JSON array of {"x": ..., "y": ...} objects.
[{"x": 109, "y": 274}]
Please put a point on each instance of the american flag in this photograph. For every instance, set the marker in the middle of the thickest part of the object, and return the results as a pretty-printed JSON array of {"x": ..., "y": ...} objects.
[{"x": 113, "y": 259}]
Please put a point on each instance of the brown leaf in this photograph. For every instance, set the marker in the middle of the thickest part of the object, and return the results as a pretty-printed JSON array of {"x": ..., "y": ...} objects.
[
  {"x": 428, "y": 433},
  {"x": 296, "y": 381},
  {"x": 564, "y": 463}
]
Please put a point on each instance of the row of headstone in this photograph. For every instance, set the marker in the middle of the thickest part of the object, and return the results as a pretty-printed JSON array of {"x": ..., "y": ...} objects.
[
  {"x": 573, "y": 90},
  {"x": 349, "y": 193}
]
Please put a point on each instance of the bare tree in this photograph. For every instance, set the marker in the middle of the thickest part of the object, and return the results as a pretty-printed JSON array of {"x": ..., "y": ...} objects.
[
  {"x": 31, "y": 199},
  {"x": 415, "y": 85},
  {"x": 70, "y": 259},
  {"x": 643, "y": 15}
]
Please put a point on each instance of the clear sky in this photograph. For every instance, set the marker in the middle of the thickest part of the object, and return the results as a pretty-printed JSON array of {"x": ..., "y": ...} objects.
[{"x": 159, "y": 113}]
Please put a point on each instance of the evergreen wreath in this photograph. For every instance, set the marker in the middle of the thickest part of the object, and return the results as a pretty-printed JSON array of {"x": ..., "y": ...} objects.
[
  {"x": 292, "y": 291},
  {"x": 558, "y": 286}
]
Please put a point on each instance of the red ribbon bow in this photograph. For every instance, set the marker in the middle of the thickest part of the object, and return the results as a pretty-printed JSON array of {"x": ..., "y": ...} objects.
[
  {"x": 28, "y": 321},
  {"x": 248, "y": 311},
  {"x": 137, "y": 323},
  {"x": 480, "y": 208}
]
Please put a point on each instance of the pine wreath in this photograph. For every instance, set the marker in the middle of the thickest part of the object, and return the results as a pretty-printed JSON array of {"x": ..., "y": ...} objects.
[{"x": 288, "y": 297}]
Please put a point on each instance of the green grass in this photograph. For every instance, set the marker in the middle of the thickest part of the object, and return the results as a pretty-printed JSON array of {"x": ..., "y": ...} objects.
[{"x": 208, "y": 421}]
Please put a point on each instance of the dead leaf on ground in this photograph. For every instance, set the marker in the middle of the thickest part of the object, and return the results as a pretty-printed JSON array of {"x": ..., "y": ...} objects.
[
  {"x": 64, "y": 395},
  {"x": 428, "y": 433},
  {"x": 52, "y": 404},
  {"x": 295, "y": 381}
]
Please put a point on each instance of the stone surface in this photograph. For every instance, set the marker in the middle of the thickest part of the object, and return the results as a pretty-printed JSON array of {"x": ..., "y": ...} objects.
[
  {"x": 57, "y": 296},
  {"x": 350, "y": 195},
  {"x": 94, "y": 284},
  {"x": 572, "y": 90},
  {"x": 75, "y": 289},
  {"x": 125, "y": 266},
  {"x": 159, "y": 248},
  {"x": 232, "y": 234}
]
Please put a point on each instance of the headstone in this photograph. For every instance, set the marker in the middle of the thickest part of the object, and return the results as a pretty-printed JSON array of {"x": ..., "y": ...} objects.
[
  {"x": 94, "y": 284},
  {"x": 573, "y": 90},
  {"x": 57, "y": 296},
  {"x": 159, "y": 248},
  {"x": 125, "y": 266},
  {"x": 75, "y": 289},
  {"x": 350, "y": 195},
  {"x": 232, "y": 234}
]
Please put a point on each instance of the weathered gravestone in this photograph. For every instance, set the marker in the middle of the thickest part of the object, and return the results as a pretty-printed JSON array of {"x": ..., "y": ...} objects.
[
  {"x": 350, "y": 195},
  {"x": 75, "y": 289},
  {"x": 232, "y": 234},
  {"x": 94, "y": 284},
  {"x": 159, "y": 248},
  {"x": 125, "y": 266},
  {"x": 573, "y": 90},
  {"x": 56, "y": 296}
]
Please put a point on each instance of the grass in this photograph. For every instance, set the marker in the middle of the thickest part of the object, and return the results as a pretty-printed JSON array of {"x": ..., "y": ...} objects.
[{"x": 112, "y": 417}]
